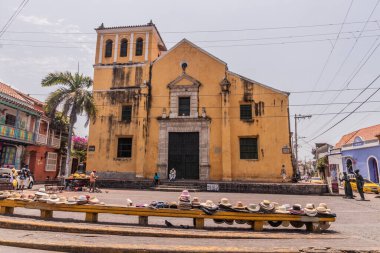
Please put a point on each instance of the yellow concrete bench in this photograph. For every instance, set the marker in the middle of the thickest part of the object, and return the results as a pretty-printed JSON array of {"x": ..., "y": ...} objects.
[{"x": 257, "y": 219}]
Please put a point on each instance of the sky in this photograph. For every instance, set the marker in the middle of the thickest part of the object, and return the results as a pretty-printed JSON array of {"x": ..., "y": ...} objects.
[{"x": 292, "y": 45}]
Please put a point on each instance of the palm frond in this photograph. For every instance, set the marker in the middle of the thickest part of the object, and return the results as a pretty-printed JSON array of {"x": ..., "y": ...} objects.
[{"x": 57, "y": 78}]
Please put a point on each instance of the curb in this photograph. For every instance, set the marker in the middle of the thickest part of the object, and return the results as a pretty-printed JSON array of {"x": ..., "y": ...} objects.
[{"x": 56, "y": 226}]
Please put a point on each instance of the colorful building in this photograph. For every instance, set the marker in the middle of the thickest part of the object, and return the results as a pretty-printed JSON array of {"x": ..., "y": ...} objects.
[
  {"x": 360, "y": 150},
  {"x": 26, "y": 136},
  {"x": 181, "y": 108}
]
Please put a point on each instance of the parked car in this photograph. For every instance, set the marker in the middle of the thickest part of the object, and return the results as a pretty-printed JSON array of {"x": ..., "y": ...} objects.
[
  {"x": 316, "y": 180},
  {"x": 369, "y": 186},
  {"x": 5, "y": 174},
  {"x": 29, "y": 181}
]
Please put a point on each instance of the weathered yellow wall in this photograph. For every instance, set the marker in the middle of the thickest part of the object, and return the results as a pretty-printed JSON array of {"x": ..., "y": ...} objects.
[{"x": 271, "y": 127}]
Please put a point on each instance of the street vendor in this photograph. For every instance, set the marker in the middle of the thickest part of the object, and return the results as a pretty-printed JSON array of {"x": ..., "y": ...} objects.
[{"x": 93, "y": 178}]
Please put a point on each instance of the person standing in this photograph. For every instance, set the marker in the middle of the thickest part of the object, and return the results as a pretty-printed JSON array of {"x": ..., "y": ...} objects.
[
  {"x": 347, "y": 186},
  {"x": 93, "y": 178},
  {"x": 283, "y": 173},
  {"x": 156, "y": 179},
  {"x": 359, "y": 184},
  {"x": 14, "y": 176},
  {"x": 172, "y": 175}
]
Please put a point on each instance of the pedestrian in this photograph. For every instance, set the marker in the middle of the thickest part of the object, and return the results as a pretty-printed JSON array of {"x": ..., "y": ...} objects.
[
  {"x": 283, "y": 173},
  {"x": 172, "y": 175},
  {"x": 23, "y": 177},
  {"x": 347, "y": 186},
  {"x": 14, "y": 176},
  {"x": 156, "y": 179},
  {"x": 360, "y": 184},
  {"x": 93, "y": 178}
]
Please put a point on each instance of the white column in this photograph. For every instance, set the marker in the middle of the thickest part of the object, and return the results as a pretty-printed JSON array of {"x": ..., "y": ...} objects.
[
  {"x": 131, "y": 43},
  {"x": 100, "y": 49},
  {"x": 116, "y": 46},
  {"x": 146, "y": 45}
]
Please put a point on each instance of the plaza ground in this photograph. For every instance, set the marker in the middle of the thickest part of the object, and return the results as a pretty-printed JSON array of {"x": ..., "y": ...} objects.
[{"x": 357, "y": 226}]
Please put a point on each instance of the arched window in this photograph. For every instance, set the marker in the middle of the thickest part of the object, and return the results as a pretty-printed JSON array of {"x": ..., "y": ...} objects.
[
  {"x": 139, "y": 46},
  {"x": 108, "y": 48},
  {"x": 123, "y": 47}
]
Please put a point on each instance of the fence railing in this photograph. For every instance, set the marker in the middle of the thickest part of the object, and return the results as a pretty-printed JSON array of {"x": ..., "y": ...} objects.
[{"x": 16, "y": 133}]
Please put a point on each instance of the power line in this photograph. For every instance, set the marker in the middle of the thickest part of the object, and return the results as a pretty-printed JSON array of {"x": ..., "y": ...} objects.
[
  {"x": 13, "y": 17},
  {"x": 204, "y": 41},
  {"x": 331, "y": 51},
  {"x": 220, "y": 30},
  {"x": 213, "y": 46},
  {"x": 361, "y": 104}
]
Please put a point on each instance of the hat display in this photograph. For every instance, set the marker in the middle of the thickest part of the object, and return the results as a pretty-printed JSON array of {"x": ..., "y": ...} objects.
[
  {"x": 253, "y": 208},
  {"x": 239, "y": 206},
  {"x": 195, "y": 203},
  {"x": 281, "y": 209},
  {"x": 209, "y": 204},
  {"x": 266, "y": 206},
  {"x": 296, "y": 209},
  {"x": 310, "y": 210}
]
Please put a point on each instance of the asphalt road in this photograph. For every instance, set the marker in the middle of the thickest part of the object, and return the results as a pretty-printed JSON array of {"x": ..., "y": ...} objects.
[{"x": 357, "y": 226}]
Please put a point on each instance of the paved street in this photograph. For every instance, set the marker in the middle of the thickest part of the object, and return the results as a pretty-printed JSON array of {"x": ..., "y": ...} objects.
[{"x": 352, "y": 216}]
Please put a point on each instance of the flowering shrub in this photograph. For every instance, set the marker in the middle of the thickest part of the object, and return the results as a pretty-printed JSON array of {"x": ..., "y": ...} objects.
[{"x": 80, "y": 143}]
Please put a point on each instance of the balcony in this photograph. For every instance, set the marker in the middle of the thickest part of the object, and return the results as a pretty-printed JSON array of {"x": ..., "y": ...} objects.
[
  {"x": 16, "y": 134},
  {"x": 54, "y": 142},
  {"x": 41, "y": 139}
]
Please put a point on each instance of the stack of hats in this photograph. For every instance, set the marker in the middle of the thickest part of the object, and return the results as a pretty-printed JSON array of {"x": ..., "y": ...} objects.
[
  {"x": 225, "y": 205},
  {"x": 281, "y": 209},
  {"x": 322, "y": 210},
  {"x": 53, "y": 199},
  {"x": 41, "y": 193},
  {"x": 209, "y": 207},
  {"x": 253, "y": 208},
  {"x": 184, "y": 200},
  {"x": 266, "y": 206},
  {"x": 240, "y": 207},
  {"x": 195, "y": 203},
  {"x": 296, "y": 209},
  {"x": 310, "y": 210},
  {"x": 71, "y": 201},
  {"x": 82, "y": 199}
]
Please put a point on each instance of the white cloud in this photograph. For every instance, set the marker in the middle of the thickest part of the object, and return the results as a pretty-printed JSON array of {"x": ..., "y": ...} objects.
[{"x": 36, "y": 20}]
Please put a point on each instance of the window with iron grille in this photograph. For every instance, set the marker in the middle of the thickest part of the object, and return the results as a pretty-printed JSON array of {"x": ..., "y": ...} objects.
[
  {"x": 184, "y": 106},
  {"x": 126, "y": 113},
  {"x": 108, "y": 52},
  {"x": 139, "y": 46},
  {"x": 245, "y": 112},
  {"x": 51, "y": 161},
  {"x": 123, "y": 47},
  {"x": 248, "y": 148},
  {"x": 10, "y": 120},
  {"x": 124, "y": 148}
]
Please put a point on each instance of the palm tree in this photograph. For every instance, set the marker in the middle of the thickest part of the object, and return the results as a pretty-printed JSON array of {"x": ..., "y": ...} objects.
[{"x": 73, "y": 97}]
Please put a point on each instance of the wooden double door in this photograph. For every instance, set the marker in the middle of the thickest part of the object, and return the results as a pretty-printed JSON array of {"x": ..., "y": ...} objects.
[{"x": 184, "y": 154}]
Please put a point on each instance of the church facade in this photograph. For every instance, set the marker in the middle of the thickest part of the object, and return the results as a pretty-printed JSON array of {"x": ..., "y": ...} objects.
[{"x": 181, "y": 108}]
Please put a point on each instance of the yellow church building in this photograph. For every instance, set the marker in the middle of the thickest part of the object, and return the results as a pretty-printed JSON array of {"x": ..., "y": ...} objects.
[{"x": 181, "y": 108}]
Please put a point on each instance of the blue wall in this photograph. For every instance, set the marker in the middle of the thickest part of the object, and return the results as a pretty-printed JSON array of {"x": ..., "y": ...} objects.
[{"x": 361, "y": 155}]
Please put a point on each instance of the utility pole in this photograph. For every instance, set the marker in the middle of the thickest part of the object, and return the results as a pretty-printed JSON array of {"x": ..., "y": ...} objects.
[{"x": 296, "y": 118}]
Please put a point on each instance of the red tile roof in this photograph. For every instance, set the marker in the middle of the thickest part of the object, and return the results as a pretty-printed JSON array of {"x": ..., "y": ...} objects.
[
  {"x": 368, "y": 133},
  {"x": 17, "y": 97}
]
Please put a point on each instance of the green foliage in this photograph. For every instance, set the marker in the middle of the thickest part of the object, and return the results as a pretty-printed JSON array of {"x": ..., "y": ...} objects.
[{"x": 322, "y": 163}]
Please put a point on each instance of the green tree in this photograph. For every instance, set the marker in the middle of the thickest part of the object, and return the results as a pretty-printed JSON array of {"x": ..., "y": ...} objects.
[{"x": 74, "y": 98}]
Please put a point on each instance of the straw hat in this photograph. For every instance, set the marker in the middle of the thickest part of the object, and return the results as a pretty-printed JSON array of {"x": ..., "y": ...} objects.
[
  {"x": 61, "y": 200},
  {"x": 217, "y": 221},
  {"x": 82, "y": 199},
  {"x": 195, "y": 202},
  {"x": 185, "y": 196},
  {"x": 276, "y": 205},
  {"x": 324, "y": 205},
  {"x": 53, "y": 199},
  {"x": 310, "y": 210},
  {"x": 71, "y": 201},
  {"x": 281, "y": 209},
  {"x": 266, "y": 206},
  {"x": 129, "y": 202},
  {"x": 296, "y": 209},
  {"x": 44, "y": 198},
  {"x": 229, "y": 222},
  {"x": 209, "y": 204},
  {"x": 253, "y": 208},
  {"x": 225, "y": 202},
  {"x": 240, "y": 206},
  {"x": 287, "y": 206},
  {"x": 93, "y": 200}
]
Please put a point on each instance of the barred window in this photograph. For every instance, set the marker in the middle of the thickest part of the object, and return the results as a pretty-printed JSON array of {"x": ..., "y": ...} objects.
[
  {"x": 245, "y": 112},
  {"x": 184, "y": 106},
  {"x": 124, "y": 148},
  {"x": 139, "y": 46},
  {"x": 51, "y": 161},
  {"x": 123, "y": 47},
  {"x": 126, "y": 113},
  {"x": 108, "y": 52},
  {"x": 248, "y": 148}
]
